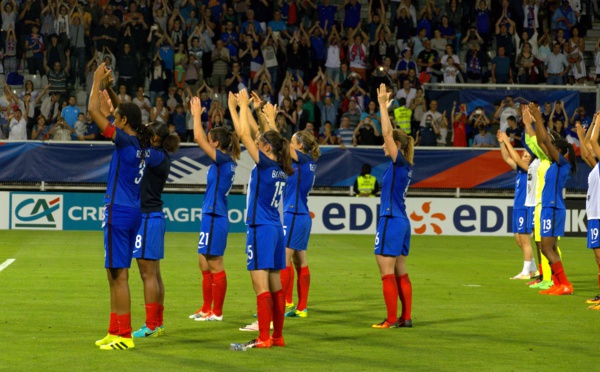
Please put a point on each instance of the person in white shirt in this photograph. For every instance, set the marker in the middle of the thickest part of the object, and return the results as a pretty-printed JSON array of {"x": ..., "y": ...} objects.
[
  {"x": 17, "y": 127},
  {"x": 144, "y": 104},
  {"x": 450, "y": 72},
  {"x": 406, "y": 92},
  {"x": 333, "y": 62}
]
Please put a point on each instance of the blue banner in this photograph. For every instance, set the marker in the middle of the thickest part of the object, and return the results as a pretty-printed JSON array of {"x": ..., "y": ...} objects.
[{"x": 440, "y": 168}]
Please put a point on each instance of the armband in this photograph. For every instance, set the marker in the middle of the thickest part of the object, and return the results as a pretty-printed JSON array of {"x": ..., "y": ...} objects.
[{"x": 109, "y": 131}]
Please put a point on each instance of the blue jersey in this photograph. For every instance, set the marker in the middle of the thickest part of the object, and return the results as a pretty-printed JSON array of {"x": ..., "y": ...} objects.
[
  {"x": 396, "y": 179},
  {"x": 218, "y": 183},
  {"x": 298, "y": 185},
  {"x": 126, "y": 171},
  {"x": 267, "y": 182},
  {"x": 520, "y": 189},
  {"x": 556, "y": 178}
]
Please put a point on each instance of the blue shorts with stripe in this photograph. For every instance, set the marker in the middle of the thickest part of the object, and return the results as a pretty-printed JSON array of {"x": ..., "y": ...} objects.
[
  {"x": 553, "y": 222},
  {"x": 522, "y": 221},
  {"x": 531, "y": 211},
  {"x": 593, "y": 227},
  {"x": 213, "y": 235},
  {"x": 393, "y": 236},
  {"x": 120, "y": 225},
  {"x": 265, "y": 247},
  {"x": 150, "y": 239},
  {"x": 296, "y": 229}
]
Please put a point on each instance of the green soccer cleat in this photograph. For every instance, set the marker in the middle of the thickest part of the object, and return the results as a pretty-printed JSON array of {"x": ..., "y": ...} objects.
[
  {"x": 106, "y": 340},
  {"x": 544, "y": 284},
  {"x": 161, "y": 330},
  {"x": 121, "y": 343},
  {"x": 146, "y": 332}
]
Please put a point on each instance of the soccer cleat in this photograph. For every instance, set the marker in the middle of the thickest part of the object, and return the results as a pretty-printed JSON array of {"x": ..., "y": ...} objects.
[
  {"x": 550, "y": 290},
  {"x": 289, "y": 306},
  {"x": 544, "y": 284},
  {"x": 121, "y": 343},
  {"x": 198, "y": 314},
  {"x": 253, "y": 327},
  {"x": 521, "y": 276},
  {"x": 401, "y": 323},
  {"x": 254, "y": 344},
  {"x": 277, "y": 341},
  {"x": 562, "y": 290},
  {"x": 146, "y": 332},
  {"x": 161, "y": 330},
  {"x": 106, "y": 340},
  {"x": 300, "y": 314},
  {"x": 594, "y": 307},
  {"x": 210, "y": 317},
  {"x": 595, "y": 300},
  {"x": 534, "y": 281},
  {"x": 385, "y": 324}
]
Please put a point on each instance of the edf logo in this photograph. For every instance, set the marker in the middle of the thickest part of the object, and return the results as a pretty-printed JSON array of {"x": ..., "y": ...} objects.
[{"x": 35, "y": 211}]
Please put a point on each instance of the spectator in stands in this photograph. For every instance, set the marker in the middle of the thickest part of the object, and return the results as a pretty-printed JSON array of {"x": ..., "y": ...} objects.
[
  {"x": 50, "y": 108},
  {"x": 483, "y": 17},
  {"x": 405, "y": 64},
  {"x": 484, "y": 138},
  {"x": 71, "y": 112},
  {"x": 143, "y": 103},
  {"x": 353, "y": 113},
  {"x": 474, "y": 60},
  {"x": 459, "y": 126},
  {"x": 127, "y": 65},
  {"x": 403, "y": 25},
  {"x": 326, "y": 13},
  {"x": 91, "y": 130},
  {"x": 477, "y": 119},
  {"x": 159, "y": 112},
  {"x": 382, "y": 46},
  {"x": 525, "y": 38},
  {"x": 328, "y": 107},
  {"x": 333, "y": 60},
  {"x": 178, "y": 118},
  {"x": 345, "y": 134},
  {"x": 80, "y": 126},
  {"x": 366, "y": 134},
  {"x": 10, "y": 52},
  {"x": 451, "y": 72},
  {"x": 580, "y": 115},
  {"x": 514, "y": 132},
  {"x": 300, "y": 115},
  {"x": 417, "y": 42},
  {"x": 78, "y": 50},
  {"x": 17, "y": 126},
  {"x": 547, "y": 113},
  {"x": 328, "y": 137},
  {"x": 556, "y": 67},
  {"x": 250, "y": 20},
  {"x": 34, "y": 52},
  {"x": 507, "y": 108},
  {"x": 427, "y": 18},
  {"x": 544, "y": 47},
  {"x": 501, "y": 70},
  {"x": 525, "y": 63},
  {"x": 123, "y": 96},
  {"x": 564, "y": 18},
  {"x": 577, "y": 72},
  {"x": 106, "y": 35},
  {"x": 407, "y": 92},
  {"x": 558, "y": 114},
  {"x": 57, "y": 76},
  {"x": 428, "y": 61},
  {"x": 504, "y": 36},
  {"x": 234, "y": 80},
  {"x": 357, "y": 53},
  {"x": 418, "y": 108},
  {"x": 428, "y": 131},
  {"x": 40, "y": 132},
  {"x": 447, "y": 30},
  {"x": 61, "y": 131},
  {"x": 530, "y": 21},
  {"x": 438, "y": 42},
  {"x": 158, "y": 79}
]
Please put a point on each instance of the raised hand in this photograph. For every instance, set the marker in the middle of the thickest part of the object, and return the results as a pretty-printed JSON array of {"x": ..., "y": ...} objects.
[
  {"x": 270, "y": 112},
  {"x": 232, "y": 101},
  {"x": 196, "y": 107},
  {"x": 382, "y": 95},
  {"x": 243, "y": 99},
  {"x": 100, "y": 73},
  {"x": 502, "y": 137},
  {"x": 256, "y": 100}
]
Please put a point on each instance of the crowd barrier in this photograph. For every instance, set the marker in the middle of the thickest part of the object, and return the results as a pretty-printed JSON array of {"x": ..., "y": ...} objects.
[
  {"x": 340, "y": 215},
  {"x": 439, "y": 168}
]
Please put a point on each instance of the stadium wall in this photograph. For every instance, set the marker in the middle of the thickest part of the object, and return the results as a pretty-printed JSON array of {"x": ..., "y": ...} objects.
[{"x": 340, "y": 215}]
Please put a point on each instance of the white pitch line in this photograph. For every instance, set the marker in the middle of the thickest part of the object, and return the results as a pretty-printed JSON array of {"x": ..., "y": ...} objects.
[{"x": 6, "y": 263}]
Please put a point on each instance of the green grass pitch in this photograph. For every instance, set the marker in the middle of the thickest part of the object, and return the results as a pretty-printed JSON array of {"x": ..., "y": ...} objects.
[{"x": 467, "y": 315}]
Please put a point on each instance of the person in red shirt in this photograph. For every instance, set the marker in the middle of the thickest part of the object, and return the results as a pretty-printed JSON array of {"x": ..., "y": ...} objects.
[{"x": 459, "y": 125}]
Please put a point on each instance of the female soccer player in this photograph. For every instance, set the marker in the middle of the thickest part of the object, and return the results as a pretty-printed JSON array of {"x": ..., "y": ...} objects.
[
  {"x": 223, "y": 148},
  {"x": 553, "y": 213},
  {"x": 149, "y": 246},
  {"x": 122, "y": 214},
  {"x": 521, "y": 214},
  {"x": 304, "y": 150},
  {"x": 593, "y": 194},
  {"x": 392, "y": 241},
  {"x": 265, "y": 244}
]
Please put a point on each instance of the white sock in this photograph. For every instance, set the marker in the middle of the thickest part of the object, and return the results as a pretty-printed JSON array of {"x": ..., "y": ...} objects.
[
  {"x": 525, "y": 270},
  {"x": 532, "y": 266}
]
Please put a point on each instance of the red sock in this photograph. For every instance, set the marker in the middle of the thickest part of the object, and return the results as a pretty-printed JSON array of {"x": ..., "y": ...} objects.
[
  {"x": 303, "y": 286},
  {"x": 285, "y": 279},
  {"x": 390, "y": 295},
  {"x": 405, "y": 294},
  {"x": 289, "y": 294},
  {"x": 555, "y": 280},
  {"x": 113, "y": 326},
  {"x": 159, "y": 315},
  {"x": 207, "y": 282},
  {"x": 219, "y": 288},
  {"x": 557, "y": 269},
  {"x": 125, "y": 325},
  {"x": 278, "y": 313},
  {"x": 151, "y": 315},
  {"x": 264, "y": 313}
]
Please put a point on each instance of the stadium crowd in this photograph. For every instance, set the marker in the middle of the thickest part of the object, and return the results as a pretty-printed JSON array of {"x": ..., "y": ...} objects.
[{"x": 319, "y": 61}]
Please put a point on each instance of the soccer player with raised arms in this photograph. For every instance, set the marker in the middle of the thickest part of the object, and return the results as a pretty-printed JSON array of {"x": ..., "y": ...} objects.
[
  {"x": 223, "y": 148},
  {"x": 265, "y": 245},
  {"x": 392, "y": 240},
  {"x": 122, "y": 214},
  {"x": 149, "y": 246}
]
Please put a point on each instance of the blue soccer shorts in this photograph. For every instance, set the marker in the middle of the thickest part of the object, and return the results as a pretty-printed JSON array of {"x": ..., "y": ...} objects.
[
  {"x": 296, "y": 229},
  {"x": 150, "y": 239},
  {"x": 553, "y": 222},
  {"x": 120, "y": 226},
  {"x": 393, "y": 236},
  {"x": 265, "y": 247},
  {"x": 521, "y": 221},
  {"x": 593, "y": 227},
  {"x": 213, "y": 235}
]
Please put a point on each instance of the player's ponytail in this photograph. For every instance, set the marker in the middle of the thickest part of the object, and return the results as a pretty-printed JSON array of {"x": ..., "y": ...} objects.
[
  {"x": 169, "y": 142},
  {"x": 407, "y": 144},
  {"x": 280, "y": 147},
  {"x": 310, "y": 145},
  {"x": 229, "y": 142},
  {"x": 566, "y": 148},
  {"x": 132, "y": 112}
]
